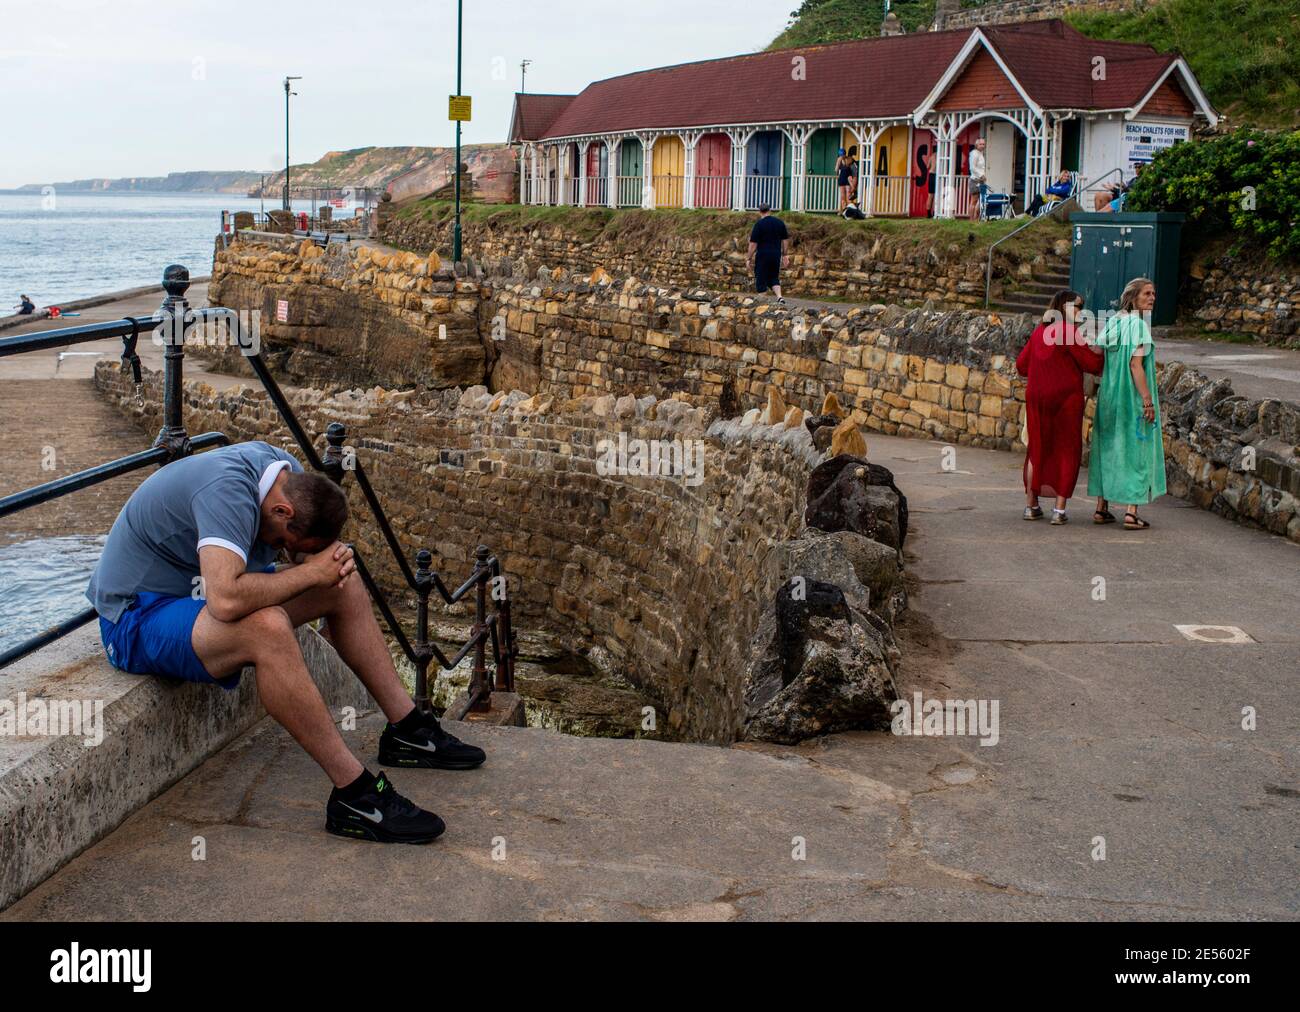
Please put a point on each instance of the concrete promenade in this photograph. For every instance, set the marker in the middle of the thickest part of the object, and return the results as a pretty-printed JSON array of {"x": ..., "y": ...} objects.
[
  {"x": 1116, "y": 729},
  {"x": 1114, "y": 726}
]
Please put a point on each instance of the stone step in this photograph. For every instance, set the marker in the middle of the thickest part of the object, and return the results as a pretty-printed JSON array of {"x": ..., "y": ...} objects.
[{"x": 1009, "y": 306}]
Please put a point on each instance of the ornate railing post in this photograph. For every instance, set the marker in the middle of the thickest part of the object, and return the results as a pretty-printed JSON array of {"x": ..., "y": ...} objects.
[
  {"x": 423, "y": 585},
  {"x": 505, "y": 681},
  {"x": 333, "y": 463},
  {"x": 176, "y": 322},
  {"x": 480, "y": 689}
]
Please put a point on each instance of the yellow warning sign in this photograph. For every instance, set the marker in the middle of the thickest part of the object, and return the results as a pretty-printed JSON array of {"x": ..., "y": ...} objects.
[{"x": 458, "y": 108}]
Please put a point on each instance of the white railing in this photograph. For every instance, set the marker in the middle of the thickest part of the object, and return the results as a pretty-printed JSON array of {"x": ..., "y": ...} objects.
[
  {"x": 669, "y": 191},
  {"x": 821, "y": 193},
  {"x": 953, "y": 198},
  {"x": 629, "y": 190},
  {"x": 597, "y": 191},
  {"x": 552, "y": 190},
  {"x": 574, "y": 191},
  {"x": 762, "y": 190},
  {"x": 713, "y": 191},
  {"x": 891, "y": 195}
]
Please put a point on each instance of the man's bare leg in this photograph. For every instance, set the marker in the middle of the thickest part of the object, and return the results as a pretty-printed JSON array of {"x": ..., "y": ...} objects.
[
  {"x": 266, "y": 640},
  {"x": 355, "y": 635}
]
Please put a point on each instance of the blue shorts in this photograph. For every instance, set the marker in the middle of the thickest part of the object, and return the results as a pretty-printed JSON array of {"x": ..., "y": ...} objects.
[{"x": 155, "y": 637}]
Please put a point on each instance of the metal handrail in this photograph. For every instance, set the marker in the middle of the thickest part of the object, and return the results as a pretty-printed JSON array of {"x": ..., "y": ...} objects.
[
  {"x": 175, "y": 319},
  {"x": 988, "y": 266}
]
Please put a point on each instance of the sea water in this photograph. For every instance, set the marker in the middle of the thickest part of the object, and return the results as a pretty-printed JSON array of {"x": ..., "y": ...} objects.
[
  {"x": 62, "y": 246},
  {"x": 42, "y": 582}
]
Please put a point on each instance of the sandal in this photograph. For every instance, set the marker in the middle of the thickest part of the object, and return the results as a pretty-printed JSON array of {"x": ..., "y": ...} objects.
[
  {"x": 1059, "y": 517},
  {"x": 1103, "y": 517},
  {"x": 1138, "y": 524},
  {"x": 1033, "y": 513}
]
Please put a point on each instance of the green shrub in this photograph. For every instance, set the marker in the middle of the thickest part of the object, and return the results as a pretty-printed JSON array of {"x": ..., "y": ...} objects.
[{"x": 1246, "y": 182}]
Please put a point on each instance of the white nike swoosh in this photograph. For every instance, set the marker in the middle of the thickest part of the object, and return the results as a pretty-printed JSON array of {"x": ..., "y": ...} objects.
[
  {"x": 375, "y": 816},
  {"x": 427, "y": 748}
]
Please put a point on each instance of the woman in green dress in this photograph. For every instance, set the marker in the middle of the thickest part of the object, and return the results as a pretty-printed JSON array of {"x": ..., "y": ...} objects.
[{"x": 1127, "y": 461}]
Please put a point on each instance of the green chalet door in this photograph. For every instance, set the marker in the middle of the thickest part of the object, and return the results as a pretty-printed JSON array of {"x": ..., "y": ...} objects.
[
  {"x": 629, "y": 167},
  {"x": 823, "y": 150}
]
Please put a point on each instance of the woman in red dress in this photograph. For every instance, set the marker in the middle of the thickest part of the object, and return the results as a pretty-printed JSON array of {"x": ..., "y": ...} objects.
[{"x": 1054, "y": 360}]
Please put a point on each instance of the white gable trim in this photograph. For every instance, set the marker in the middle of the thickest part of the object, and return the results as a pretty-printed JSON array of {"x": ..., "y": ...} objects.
[
  {"x": 1189, "y": 81},
  {"x": 510, "y": 137},
  {"x": 958, "y": 65}
]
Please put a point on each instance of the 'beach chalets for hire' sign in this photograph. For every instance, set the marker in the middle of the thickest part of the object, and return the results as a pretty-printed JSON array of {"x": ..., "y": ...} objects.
[{"x": 1142, "y": 141}]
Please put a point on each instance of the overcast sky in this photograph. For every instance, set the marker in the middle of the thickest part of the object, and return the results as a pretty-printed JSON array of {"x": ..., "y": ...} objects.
[{"x": 108, "y": 88}]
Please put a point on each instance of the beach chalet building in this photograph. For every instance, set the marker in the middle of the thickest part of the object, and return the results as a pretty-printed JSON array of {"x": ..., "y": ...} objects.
[{"x": 767, "y": 127}]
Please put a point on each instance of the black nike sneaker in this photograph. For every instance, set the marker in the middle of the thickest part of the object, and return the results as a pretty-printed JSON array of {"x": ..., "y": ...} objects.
[
  {"x": 382, "y": 815},
  {"x": 427, "y": 746}
]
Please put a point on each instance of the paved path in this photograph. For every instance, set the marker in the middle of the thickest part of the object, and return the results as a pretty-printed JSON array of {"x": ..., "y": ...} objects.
[
  {"x": 1255, "y": 370},
  {"x": 1113, "y": 726},
  {"x": 78, "y": 361}
]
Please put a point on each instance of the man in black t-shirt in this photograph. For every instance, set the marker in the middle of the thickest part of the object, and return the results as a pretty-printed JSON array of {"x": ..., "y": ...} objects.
[{"x": 768, "y": 243}]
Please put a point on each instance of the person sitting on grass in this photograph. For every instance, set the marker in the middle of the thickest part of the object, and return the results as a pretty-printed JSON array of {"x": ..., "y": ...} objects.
[{"x": 187, "y": 589}]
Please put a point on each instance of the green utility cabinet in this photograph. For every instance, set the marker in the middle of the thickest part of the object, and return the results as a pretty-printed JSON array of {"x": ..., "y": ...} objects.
[{"x": 1110, "y": 250}]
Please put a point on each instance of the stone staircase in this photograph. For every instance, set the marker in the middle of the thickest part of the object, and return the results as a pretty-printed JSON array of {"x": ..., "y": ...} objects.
[{"x": 1033, "y": 295}]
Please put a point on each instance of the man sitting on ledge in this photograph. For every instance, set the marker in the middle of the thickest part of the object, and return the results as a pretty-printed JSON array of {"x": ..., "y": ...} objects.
[{"x": 187, "y": 588}]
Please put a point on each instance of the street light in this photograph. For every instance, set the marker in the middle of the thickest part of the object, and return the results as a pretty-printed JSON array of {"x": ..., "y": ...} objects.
[
  {"x": 287, "y": 93},
  {"x": 455, "y": 236},
  {"x": 523, "y": 75}
]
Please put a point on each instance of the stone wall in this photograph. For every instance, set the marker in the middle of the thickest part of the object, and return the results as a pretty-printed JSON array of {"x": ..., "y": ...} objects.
[
  {"x": 1249, "y": 294},
  {"x": 924, "y": 373},
  {"x": 919, "y": 373},
  {"x": 353, "y": 313},
  {"x": 665, "y": 581},
  {"x": 1011, "y": 11},
  {"x": 1227, "y": 453},
  {"x": 830, "y": 259}
]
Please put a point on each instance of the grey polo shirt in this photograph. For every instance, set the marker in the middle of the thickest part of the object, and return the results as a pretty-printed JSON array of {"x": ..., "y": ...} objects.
[{"x": 211, "y": 498}]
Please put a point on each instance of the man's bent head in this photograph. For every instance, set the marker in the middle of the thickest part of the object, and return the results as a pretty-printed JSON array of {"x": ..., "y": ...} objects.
[{"x": 302, "y": 513}]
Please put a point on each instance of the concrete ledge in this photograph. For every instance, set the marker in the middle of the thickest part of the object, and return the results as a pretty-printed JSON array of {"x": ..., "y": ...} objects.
[
  {"x": 10, "y": 322},
  {"x": 58, "y": 795}
]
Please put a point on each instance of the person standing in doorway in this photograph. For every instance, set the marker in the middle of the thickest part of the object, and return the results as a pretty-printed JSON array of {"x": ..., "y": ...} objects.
[
  {"x": 978, "y": 178},
  {"x": 769, "y": 243},
  {"x": 842, "y": 178}
]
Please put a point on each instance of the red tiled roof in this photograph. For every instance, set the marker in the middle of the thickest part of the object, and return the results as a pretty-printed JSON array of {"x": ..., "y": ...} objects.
[
  {"x": 1054, "y": 64},
  {"x": 844, "y": 80},
  {"x": 872, "y": 78},
  {"x": 534, "y": 114}
]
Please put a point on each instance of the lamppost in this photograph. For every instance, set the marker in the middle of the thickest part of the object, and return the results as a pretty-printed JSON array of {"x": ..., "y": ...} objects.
[
  {"x": 455, "y": 235},
  {"x": 523, "y": 75},
  {"x": 287, "y": 93}
]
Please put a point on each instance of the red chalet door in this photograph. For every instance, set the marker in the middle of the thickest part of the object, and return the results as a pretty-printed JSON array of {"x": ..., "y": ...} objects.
[{"x": 713, "y": 171}]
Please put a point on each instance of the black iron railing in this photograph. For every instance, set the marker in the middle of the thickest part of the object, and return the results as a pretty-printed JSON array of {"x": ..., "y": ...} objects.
[{"x": 174, "y": 321}]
